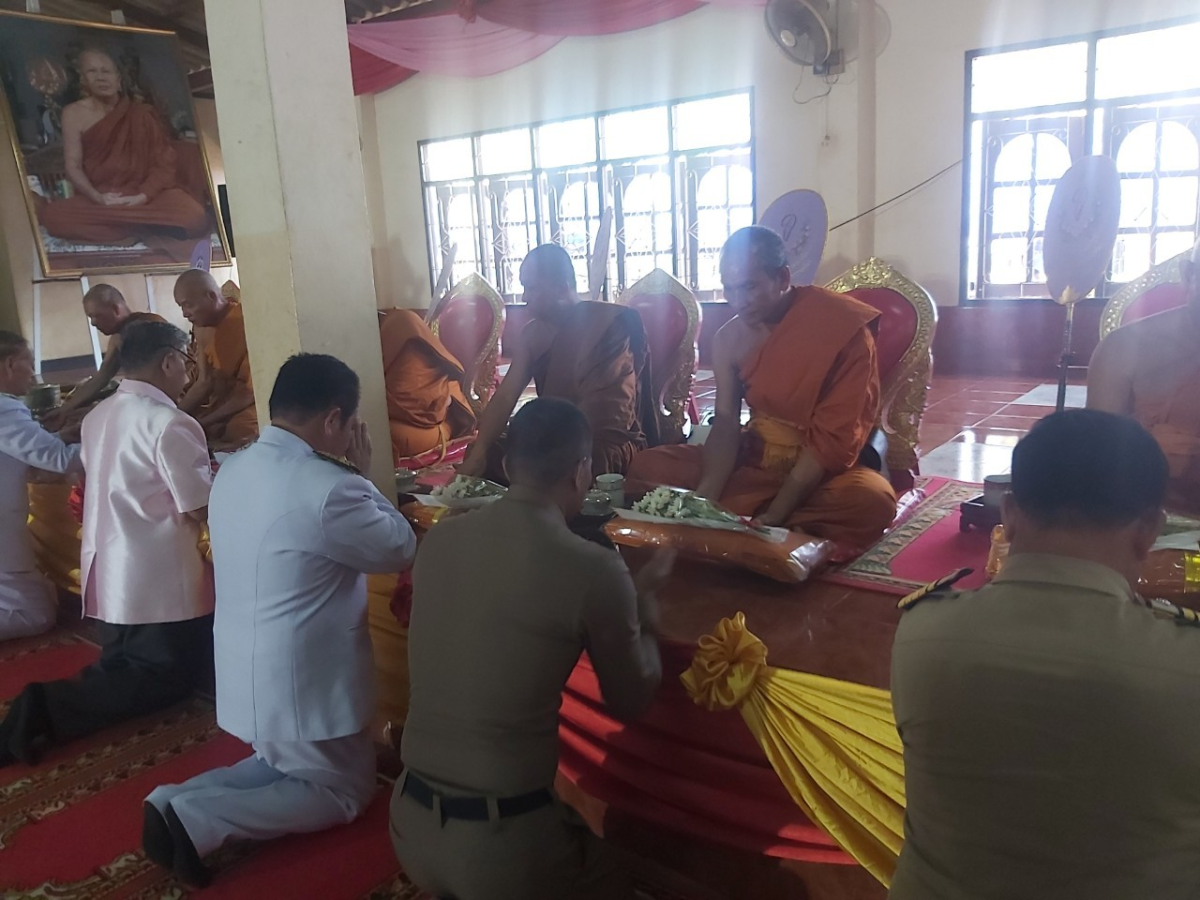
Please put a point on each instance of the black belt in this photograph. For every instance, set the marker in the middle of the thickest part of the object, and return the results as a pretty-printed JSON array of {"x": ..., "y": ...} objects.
[{"x": 474, "y": 809}]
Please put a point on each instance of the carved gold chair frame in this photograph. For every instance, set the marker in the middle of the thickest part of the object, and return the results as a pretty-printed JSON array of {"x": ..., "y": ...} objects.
[
  {"x": 1169, "y": 272},
  {"x": 679, "y": 372},
  {"x": 905, "y": 387},
  {"x": 481, "y": 378}
]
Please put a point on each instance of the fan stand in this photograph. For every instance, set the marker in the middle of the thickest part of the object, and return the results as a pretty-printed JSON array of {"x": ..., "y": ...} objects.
[{"x": 1067, "y": 358}]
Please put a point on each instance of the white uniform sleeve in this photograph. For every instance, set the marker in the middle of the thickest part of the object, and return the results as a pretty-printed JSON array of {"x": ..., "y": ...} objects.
[
  {"x": 361, "y": 529},
  {"x": 26, "y": 440},
  {"x": 182, "y": 457}
]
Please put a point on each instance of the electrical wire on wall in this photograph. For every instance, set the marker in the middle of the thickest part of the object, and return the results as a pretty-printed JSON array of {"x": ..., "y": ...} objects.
[
  {"x": 830, "y": 82},
  {"x": 916, "y": 187}
]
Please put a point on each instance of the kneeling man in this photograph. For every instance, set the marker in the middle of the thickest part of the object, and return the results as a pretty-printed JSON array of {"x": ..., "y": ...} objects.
[
  {"x": 294, "y": 525},
  {"x": 804, "y": 360}
]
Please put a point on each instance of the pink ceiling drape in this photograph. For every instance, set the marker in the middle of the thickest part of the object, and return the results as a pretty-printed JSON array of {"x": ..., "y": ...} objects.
[
  {"x": 501, "y": 35},
  {"x": 446, "y": 45},
  {"x": 583, "y": 17}
]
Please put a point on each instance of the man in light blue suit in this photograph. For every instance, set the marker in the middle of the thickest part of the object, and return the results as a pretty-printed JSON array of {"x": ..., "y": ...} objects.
[
  {"x": 27, "y": 599},
  {"x": 293, "y": 525}
]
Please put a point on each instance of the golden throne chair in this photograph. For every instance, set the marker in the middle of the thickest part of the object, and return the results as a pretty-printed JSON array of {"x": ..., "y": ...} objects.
[
  {"x": 469, "y": 324},
  {"x": 905, "y": 350},
  {"x": 1159, "y": 290},
  {"x": 671, "y": 316}
]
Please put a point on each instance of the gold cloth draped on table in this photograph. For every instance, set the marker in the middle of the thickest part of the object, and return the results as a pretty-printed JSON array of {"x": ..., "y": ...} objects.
[
  {"x": 833, "y": 744},
  {"x": 56, "y": 534}
]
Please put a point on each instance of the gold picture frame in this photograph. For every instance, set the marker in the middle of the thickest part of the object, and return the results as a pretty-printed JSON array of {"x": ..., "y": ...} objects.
[
  {"x": 903, "y": 392},
  {"x": 41, "y": 53}
]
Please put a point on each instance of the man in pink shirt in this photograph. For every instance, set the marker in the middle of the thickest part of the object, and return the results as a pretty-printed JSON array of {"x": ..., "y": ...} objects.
[{"x": 143, "y": 575}]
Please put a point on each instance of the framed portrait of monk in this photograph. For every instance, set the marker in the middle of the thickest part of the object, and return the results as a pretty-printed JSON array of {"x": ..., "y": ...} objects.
[{"x": 106, "y": 141}]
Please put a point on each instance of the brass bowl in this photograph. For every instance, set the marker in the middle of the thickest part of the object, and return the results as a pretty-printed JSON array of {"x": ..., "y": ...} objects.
[{"x": 43, "y": 397}]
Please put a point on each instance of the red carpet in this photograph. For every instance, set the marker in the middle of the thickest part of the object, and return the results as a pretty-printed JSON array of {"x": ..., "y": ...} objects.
[
  {"x": 70, "y": 828},
  {"x": 923, "y": 548}
]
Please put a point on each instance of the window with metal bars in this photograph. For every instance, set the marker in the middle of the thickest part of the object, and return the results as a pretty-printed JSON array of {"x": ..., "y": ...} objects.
[
  {"x": 679, "y": 178},
  {"x": 1035, "y": 109}
]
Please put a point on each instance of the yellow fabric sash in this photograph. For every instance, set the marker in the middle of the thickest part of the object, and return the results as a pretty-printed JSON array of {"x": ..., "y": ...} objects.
[
  {"x": 833, "y": 744},
  {"x": 782, "y": 442}
]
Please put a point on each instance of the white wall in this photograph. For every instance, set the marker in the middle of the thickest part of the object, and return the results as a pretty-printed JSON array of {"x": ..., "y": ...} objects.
[{"x": 919, "y": 119}]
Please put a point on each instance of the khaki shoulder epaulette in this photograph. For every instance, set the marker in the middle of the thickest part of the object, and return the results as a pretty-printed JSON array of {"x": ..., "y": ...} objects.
[
  {"x": 932, "y": 588},
  {"x": 339, "y": 461},
  {"x": 1165, "y": 609}
]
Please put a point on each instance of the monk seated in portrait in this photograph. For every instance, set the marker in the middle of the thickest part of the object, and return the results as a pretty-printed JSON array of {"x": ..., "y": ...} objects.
[
  {"x": 1150, "y": 370},
  {"x": 122, "y": 165},
  {"x": 110, "y": 315},
  {"x": 592, "y": 354},
  {"x": 426, "y": 399},
  {"x": 221, "y": 396},
  {"x": 804, "y": 360}
]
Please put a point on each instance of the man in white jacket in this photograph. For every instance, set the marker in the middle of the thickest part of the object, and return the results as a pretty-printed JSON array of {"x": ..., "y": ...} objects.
[
  {"x": 294, "y": 526},
  {"x": 27, "y": 598}
]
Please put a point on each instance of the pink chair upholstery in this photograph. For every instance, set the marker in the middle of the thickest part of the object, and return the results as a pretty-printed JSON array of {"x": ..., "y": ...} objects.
[
  {"x": 671, "y": 317},
  {"x": 469, "y": 324},
  {"x": 897, "y": 325},
  {"x": 1157, "y": 291},
  {"x": 904, "y": 343}
]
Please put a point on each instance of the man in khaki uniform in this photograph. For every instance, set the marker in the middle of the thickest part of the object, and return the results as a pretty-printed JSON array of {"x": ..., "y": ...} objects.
[
  {"x": 505, "y": 599},
  {"x": 1048, "y": 719}
]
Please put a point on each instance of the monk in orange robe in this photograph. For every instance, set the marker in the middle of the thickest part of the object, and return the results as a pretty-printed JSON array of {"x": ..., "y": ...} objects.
[
  {"x": 222, "y": 395},
  {"x": 427, "y": 405},
  {"x": 1150, "y": 370},
  {"x": 120, "y": 161},
  {"x": 804, "y": 360},
  {"x": 110, "y": 315},
  {"x": 592, "y": 354}
]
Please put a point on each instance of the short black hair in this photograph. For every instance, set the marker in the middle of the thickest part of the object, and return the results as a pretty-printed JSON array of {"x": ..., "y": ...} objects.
[
  {"x": 143, "y": 344},
  {"x": 311, "y": 384},
  {"x": 11, "y": 344},
  {"x": 547, "y": 439},
  {"x": 552, "y": 261},
  {"x": 762, "y": 243},
  {"x": 1086, "y": 469}
]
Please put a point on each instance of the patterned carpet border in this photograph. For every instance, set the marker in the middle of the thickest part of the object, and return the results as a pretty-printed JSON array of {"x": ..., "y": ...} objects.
[{"x": 875, "y": 566}]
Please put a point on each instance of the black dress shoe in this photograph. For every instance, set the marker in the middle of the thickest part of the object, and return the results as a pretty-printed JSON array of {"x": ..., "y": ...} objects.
[
  {"x": 156, "y": 837},
  {"x": 187, "y": 865}
]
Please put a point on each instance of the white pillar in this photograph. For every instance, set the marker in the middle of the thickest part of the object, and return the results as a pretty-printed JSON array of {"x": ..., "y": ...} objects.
[{"x": 290, "y": 144}]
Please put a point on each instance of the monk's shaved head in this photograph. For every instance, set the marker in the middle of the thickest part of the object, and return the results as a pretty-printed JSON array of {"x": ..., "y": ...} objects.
[
  {"x": 550, "y": 261},
  {"x": 105, "y": 307},
  {"x": 200, "y": 299},
  {"x": 104, "y": 295},
  {"x": 548, "y": 277},
  {"x": 99, "y": 74},
  {"x": 755, "y": 275},
  {"x": 760, "y": 244}
]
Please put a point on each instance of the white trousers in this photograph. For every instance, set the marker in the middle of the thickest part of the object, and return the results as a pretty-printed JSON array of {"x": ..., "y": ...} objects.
[
  {"x": 284, "y": 788},
  {"x": 28, "y": 604}
]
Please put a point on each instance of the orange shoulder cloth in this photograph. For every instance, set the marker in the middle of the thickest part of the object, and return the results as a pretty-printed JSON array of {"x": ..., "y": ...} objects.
[{"x": 787, "y": 375}]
